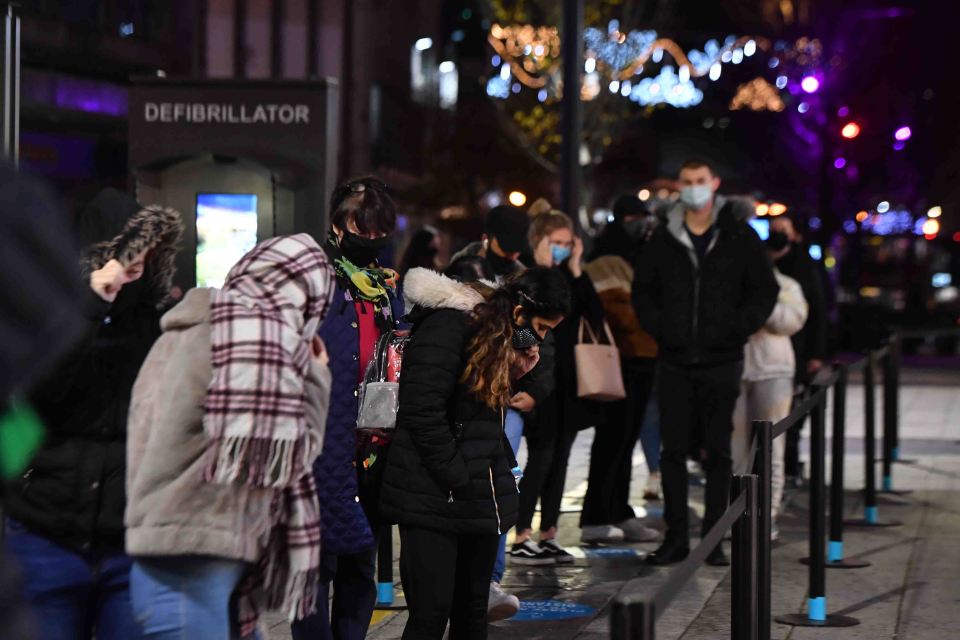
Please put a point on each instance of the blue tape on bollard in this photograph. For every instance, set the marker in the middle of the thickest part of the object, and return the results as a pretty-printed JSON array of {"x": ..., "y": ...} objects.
[
  {"x": 887, "y": 483},
  {"x": 870, "y": 515},
  {"x": 385, "y": 593},
  {"x": 835, "y": 551},
  {"x": 896, "y": 453},
  {"x": 817, "y": 609}
]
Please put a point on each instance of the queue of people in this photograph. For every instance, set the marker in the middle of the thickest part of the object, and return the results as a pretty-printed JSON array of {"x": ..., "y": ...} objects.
[{"x": 204, "y": 463}]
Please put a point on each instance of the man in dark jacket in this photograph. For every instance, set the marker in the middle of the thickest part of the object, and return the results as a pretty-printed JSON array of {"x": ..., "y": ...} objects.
[
  {"x": 703, "y": 285},
  {"x": 65, "y": 524},
  {"x": 810, "y": 343}
]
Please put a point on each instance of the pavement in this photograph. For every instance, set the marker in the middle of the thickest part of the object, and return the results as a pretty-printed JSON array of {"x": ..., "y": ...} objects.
[{"x": 911, "y": 590}]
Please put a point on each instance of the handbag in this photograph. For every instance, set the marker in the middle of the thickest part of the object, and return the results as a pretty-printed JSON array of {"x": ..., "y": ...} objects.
[
  {"x": 599, "y": 376},
  {"x": 380, "y": 391}
]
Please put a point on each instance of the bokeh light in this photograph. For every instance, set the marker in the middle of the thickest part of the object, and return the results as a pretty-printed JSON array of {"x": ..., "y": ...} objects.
[
  {"x": 850, "y": 130},
  {"x": 517, "y": 198},
  {"x": 902, "y": 134},
  {"x": 810, "y": 84}
]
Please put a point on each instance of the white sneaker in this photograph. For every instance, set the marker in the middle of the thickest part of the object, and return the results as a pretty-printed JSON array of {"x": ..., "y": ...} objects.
[
  {"x": 601, "y": 533},
  {"x": 635, "y": 531},
  {"x": 652, "y": 489},
  {"x": 501, "y": 605}
]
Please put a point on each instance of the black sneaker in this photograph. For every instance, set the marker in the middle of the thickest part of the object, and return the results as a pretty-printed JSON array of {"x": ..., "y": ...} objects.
[
  {"x": 718, "y": 558},
  {"x": 669, "y": 552},
  {"x": 558, "y": 553},
  {"x": 530, "y": 554}
]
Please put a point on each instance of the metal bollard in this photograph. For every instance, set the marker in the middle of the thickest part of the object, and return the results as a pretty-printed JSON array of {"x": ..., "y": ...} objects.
[
  {"x": 744, "y": 608},
  {"x": 871, "y": 515},
  {"x": 634, "y": 620},
  {"x": 816, "y": 615},
  {"x": 763, "y": 468}
]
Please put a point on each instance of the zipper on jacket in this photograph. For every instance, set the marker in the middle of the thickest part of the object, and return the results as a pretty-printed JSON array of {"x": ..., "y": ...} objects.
[{"x": 496, "y": 507}]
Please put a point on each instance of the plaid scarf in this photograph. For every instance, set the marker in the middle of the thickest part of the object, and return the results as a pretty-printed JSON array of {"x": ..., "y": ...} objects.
[{"x": 262, "y": 322}]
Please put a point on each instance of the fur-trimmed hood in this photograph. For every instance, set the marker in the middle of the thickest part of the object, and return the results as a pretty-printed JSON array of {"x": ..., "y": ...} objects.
[
  {"x": 114, "y": 226},
  {"x": 429, "y": 290}
]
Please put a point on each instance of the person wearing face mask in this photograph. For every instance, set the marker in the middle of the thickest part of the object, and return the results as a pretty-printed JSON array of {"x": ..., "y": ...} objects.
[
  {"x": 607, "y": 515},
  {"x": 64, "y": 516},
  {"x": 810, "y": 343},
  {"x": 550, "y": 433},
  {"x": 366, "y": 303},
  {"x": 504, "y": 240},
  {"x": 702, "y": 286},
  {"x": 450, "y": 481}
]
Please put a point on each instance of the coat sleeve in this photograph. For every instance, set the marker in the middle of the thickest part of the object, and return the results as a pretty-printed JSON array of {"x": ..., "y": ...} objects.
[
  {"x": 790, "y": 313},
  {"x": 646, "y": 290},
  {"x": 760, "y": 287},
  {"x": 432, "y": 366},
  {"x": 586, "y": 302},
  {"x": 539, "y": 383}
]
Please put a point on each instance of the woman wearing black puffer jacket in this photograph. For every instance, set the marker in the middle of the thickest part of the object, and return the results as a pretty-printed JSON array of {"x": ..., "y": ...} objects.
[{"x": 449, "y": 480}]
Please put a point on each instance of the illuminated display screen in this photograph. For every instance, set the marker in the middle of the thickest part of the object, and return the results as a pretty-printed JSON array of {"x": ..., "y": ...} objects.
[{"x": 226, "y": 230}]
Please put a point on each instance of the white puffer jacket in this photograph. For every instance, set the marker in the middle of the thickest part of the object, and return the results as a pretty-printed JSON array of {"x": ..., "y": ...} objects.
[{"x": 769, "y": 352}]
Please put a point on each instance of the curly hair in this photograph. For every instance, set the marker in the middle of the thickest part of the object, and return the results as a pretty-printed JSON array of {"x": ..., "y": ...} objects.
[{"x": 540, "y": 292}]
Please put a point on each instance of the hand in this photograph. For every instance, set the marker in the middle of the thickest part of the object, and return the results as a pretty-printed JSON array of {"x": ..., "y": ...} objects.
[
  {"x": 107, "y": 281},
  {"x": 523, "y": 402},
  {"x": 319, "y": 351},
  {"x": 576, "y": 255},
  {"x": 814, "y": 365},
  {"x": 524, "y": 361},
  {"x": 541, "y": 253}
]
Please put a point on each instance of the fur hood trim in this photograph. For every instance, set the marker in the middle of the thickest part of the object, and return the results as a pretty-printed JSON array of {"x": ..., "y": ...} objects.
[
  {"x": 431, "y": 290},
  {"x": 153, "y": 227}
]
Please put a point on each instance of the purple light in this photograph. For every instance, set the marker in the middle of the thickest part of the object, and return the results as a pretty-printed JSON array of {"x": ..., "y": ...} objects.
[
  {"x": 810, "y": 84},
  {"x": 899, "y": 145},
  {"x": 840, "y": 163},
  {"x": 903, "y": 133},
  {"x": 843, "y": 112}
]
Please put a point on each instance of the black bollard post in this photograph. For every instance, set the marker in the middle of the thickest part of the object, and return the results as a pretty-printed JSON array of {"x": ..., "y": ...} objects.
[
  {"x": 632, "y": 620},
  {"x": 835, "y": 557},
  {"x": 816, "y": 615},
  {"x": 385, "y": 568},
  {"x": 870, "y": 512},
  {"x": 763, "y": 468},
  {"x": 744, "y": 608}
]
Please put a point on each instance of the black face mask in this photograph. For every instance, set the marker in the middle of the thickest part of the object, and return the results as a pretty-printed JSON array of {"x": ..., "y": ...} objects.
[
  {"x": 500, "y": 265},
  {"x": 361, "y": 251},
  {"x": 524, "y": 337},
  {"x": 777, "y": 240}
]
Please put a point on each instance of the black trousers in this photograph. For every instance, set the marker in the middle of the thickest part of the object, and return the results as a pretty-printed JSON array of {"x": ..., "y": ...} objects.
[
  {"x": 548, "y": 453},
  {"x": 696, "y": 407},
  {"x": 446, "y": 576},
  {"x": 611, "y": 456}
]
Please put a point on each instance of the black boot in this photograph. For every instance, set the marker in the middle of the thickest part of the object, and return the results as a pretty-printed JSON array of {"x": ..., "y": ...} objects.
[
  {"x": 717, "y": 557},
  {"x": 669, "y": 552}
]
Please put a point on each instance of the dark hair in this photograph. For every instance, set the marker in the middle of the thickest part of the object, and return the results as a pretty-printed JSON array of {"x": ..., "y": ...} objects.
[
  {"x": 366, "y": 201},
  {"x": 541, "y": 292},
  {"x": 419, "y": 253},
  {"x": 470, "y": 269},
  {"x": 697, "y": 163},
  {"x": 629, "y": 205}
]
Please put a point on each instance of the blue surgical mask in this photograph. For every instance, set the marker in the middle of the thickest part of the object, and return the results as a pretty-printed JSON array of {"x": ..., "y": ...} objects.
[
  {"x": 559, "y": 254},
  {"x": 696, "y": 196}
]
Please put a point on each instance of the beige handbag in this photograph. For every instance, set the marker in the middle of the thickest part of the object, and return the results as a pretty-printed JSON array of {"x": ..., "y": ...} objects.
[{"x": 598, "y": 367}]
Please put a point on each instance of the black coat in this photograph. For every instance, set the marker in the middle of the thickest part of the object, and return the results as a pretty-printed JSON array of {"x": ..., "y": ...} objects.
[
  {"x": 449, "y": 465},
  {"x": 811, "y": 341},
  {"x": 703, "y": 313}
]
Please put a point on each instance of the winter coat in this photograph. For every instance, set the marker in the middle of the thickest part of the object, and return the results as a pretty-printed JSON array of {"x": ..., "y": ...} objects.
[
  {"x": 73, "y": 490},
  {"x": 449, "y": 466},
  {"x": 811, "y": 341},
  {"x": 769, "y": 352},
  {"x": 171, "y": 510},
  {"x": 346, "y": 527},
  {"x": 612, "y": 277},
  {"x": 702, "y": 314}
]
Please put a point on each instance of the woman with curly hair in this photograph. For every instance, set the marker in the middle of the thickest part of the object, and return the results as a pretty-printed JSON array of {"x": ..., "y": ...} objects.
[{"x": 449, "y": 481}]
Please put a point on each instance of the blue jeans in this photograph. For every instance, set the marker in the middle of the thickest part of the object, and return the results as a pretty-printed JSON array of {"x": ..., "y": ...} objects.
[
  {"x": 513, "y": 426},
  {"x": 353, "y": 578},
  {"x": 650, "y": 432},
  {"x": 73, "y": 595},
  {"x": 184, "y": 597}
]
